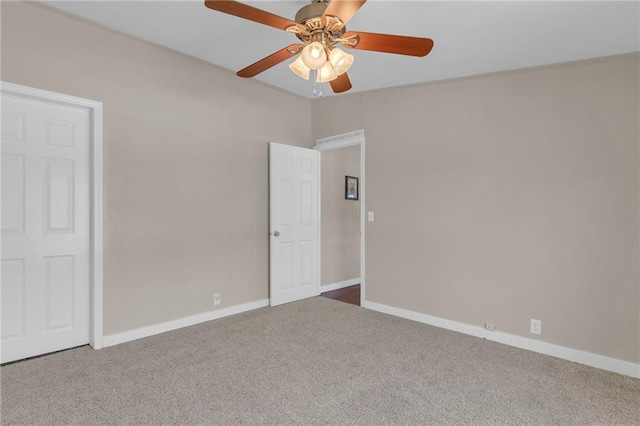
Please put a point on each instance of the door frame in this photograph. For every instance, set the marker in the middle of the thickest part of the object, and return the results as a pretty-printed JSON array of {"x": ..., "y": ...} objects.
[
  {"x": 96, "y": 175},
  {"x": 344, "y": 140}
]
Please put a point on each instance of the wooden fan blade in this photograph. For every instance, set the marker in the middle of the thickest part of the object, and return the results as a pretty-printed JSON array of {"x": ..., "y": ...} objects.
[
  {"x": 341, "y": 84},
  {"x": 387, "y": 43},
  {"x": 270, "y": 61},
  {"x": 251, "y": 13},
  {"x": 343, "y": 9}
]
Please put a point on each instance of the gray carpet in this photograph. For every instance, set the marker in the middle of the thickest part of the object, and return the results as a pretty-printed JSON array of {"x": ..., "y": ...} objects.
[{"x": 317, "y": 361}]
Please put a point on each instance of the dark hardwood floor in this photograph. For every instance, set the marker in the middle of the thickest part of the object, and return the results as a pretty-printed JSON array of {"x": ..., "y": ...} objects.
[{"x": 349, "y": 294}]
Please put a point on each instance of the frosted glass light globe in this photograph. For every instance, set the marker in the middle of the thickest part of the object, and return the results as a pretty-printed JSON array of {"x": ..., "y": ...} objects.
[
  {"x": 314, "y": 55},
  {"x": 326, "y": 73},
  {"x": 300, "y": 68},
  {"x": 340, "y": 60}
]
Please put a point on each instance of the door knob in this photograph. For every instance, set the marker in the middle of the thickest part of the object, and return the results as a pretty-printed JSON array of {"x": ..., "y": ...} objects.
[{"x": 276, "y": 234}]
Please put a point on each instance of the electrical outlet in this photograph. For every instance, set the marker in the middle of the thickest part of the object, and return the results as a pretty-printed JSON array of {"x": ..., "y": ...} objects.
[
  {"x": 490, "y": 326},
  {"x": 536, "y": 326},
  {"x": 216, "y": 299}
]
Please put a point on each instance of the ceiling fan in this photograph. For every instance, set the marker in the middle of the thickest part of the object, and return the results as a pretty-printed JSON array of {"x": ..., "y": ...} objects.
[{"x": 320, "y": 26}]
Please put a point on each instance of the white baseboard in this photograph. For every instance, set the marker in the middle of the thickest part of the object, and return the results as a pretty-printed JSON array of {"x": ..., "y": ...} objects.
[
  {"x": 339, "y": 285},
  {"x": 139, "y": 333},
  {"x": 598, "y": 361}
]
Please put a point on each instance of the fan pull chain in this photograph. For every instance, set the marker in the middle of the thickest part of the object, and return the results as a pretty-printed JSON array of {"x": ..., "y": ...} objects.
[
  {"x": 318, "y": 76},
  {"x": 317, "y": 90}
]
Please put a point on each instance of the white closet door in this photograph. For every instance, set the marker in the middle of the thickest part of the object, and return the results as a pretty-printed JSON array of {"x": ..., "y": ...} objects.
[
  {"x": 45, "y": 227},
  {"x": 294, "y": 222}
]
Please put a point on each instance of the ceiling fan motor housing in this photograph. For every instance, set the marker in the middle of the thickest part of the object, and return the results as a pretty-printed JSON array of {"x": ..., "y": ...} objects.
[
  {"x": 318, "y": 29},
  {"x": 312, "y": 10}
]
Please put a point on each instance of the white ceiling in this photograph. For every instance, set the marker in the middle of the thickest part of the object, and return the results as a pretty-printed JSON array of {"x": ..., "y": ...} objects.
[{"x": 470, "y": 38}]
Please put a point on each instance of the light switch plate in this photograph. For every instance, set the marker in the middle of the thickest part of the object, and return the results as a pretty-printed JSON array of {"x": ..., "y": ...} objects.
[{"x": 370, "y": 216}]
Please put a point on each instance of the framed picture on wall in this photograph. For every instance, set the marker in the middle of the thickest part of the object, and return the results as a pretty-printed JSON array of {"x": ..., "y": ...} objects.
[{"x": 350, "y": 188}]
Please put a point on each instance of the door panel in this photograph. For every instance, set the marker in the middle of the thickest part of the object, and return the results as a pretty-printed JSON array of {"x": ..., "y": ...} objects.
[
  {"x": 294, "y": 223},
  {"x": 59, "y": 278},
  {"x": 13, "y": 190},
  {"x": 59, "y": 201},
  {"x": 45, "y": 227},
  {"x": 13, "y": 290}
]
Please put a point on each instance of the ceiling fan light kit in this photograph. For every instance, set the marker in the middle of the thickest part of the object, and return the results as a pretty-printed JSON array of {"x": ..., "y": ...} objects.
[{"x": 320, "y": 26}]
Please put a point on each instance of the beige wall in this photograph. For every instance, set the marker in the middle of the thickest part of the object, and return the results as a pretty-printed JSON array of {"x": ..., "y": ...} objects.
[
  {"x": 340, "y": 218},
  {"x": 507, "y": 197},
  {"x": 185, "y": 162},
  {"x": 497, "y": 198}
]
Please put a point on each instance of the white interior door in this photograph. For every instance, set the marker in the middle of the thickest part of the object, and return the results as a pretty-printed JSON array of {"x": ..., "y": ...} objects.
[
  {"x": 45, "y": 227},
  {"x": 294, "y": 176}
]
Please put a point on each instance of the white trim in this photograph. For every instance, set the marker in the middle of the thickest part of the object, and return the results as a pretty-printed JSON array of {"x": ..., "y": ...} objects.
[
  {"x": 342, "y": 141},
  {"x": 339, "y": 141},
  {"x": 97, "y": 229},
  {"x": 363, "y": 218},
  {"x": 95, "y": 112},
  {"x": 594, "y": 360},
  {"x": 319, "y": 224},
  {"x": 152, "y": 330},
  {"x": 339, "y": 285}
]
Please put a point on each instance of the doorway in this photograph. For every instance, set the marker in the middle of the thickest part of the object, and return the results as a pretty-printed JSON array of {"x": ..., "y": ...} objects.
[
  {"x": 51, "y": 222},
  {"x": 342, "y": 217}
]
